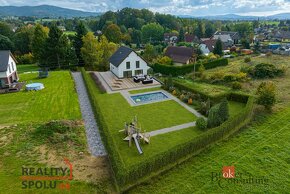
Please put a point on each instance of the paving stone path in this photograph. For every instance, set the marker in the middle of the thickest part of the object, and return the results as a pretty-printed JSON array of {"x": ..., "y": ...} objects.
[
  {"x": 171, "y": 129},
  {"x": 95, "y": 143}
]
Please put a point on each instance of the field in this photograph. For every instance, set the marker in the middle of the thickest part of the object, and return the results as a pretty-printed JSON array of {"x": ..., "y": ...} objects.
[
  {"x": 282, "y": 83},
  {"x": 32, "y": 140},
  {"x": 57, "y": 101},
  {"x": 261, "y": 150}
]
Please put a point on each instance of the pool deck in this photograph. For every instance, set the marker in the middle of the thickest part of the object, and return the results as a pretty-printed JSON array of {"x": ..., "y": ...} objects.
[{"x": 112, "y": 84}]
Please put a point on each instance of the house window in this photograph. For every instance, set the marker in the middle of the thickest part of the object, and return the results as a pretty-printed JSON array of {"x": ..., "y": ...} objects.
[
  {"x": 12, "y": 66},
  {"x": 128, "y": 65},
  {"x": 137, "y": 64},
  {"x": 9, "y": 68}
]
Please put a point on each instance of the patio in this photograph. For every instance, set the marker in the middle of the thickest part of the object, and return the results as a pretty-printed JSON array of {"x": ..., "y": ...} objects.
[{"x": 113, "y": 84}]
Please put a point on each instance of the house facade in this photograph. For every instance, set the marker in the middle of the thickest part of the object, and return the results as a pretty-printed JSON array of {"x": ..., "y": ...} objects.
[
  {"x": 8, "y": 69},
  {"x": 125, "y": 63},
  {"x": 207, "y": 46},
  {"x": 170, "y": 38}
]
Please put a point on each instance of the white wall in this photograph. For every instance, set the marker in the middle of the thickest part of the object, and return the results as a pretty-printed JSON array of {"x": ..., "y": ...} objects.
[
  {"x": 132, "y": 58},
  {"x": 11, "y": 64},
  {"x": 204, "y": 49}
]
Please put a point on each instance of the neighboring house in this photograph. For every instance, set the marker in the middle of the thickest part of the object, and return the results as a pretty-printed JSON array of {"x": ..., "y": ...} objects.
[
  {"x": 234, "y": 35},
  {"x": 207, "y": 46},
  {"x": 286, "y": 36},
  {"x": 191, "y": 38},
  {"x": 125, "y": 62},
  {"x": 226, "y": 40},
  {"x": 171, "y": 38},
  {"x": 181, "y": 55},
  {"x": 8, "y": 70}
]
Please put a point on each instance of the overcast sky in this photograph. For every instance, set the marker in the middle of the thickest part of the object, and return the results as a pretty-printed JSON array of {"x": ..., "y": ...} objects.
[{"x": 176, "y": 7}]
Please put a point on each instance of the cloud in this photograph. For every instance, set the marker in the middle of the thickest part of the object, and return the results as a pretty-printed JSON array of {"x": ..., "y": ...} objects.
[{"x": 178, "y": 7}]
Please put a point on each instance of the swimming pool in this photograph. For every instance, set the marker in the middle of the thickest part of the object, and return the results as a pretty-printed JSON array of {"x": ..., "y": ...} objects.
[
  {"x": 34, "y": 86},
  {"x": 149, "y": 97}
]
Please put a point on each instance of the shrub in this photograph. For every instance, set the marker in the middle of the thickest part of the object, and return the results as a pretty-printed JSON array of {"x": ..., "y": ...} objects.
[
  {"x": 236, "y": 85},
  {"x": 174, "y": 92},
  {"x": 264, "y": 70},
  {"x": 201, "y": 123},
  {"x": 190, "y": 101},
  {"x": 247, "y": 60},
  {"x": 25, "y": 59},
  {"x": 213, "y": 117},
  {"x": 266, "y": 95},
  {"x": 218, "y": 114},
  {"x": 269, "y": 54},
  {"x": 204, "y": 107},
  {"x": 165, "y": 60},
  {"x": 182, "y": 70}
]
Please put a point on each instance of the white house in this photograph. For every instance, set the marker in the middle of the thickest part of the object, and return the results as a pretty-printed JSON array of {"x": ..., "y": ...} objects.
[
  {"x": 8, "y": 70},
  {"x": 125, "y": 62}
]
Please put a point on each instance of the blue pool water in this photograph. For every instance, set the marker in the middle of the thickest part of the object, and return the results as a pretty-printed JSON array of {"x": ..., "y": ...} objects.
[
  {"x": 151, "y": 97},
  {"x": 34, "y": 86}
]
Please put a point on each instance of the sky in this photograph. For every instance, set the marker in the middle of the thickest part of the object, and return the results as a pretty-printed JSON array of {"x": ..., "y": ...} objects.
[{"x": 175, "y": 7}]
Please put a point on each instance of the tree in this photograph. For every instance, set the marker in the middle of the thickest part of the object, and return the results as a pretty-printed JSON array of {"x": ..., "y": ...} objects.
[
  {"x": 5, "y": 30},
  {"x": 181, "y": 35},
  {"x": 89, "y": 51},
  {"x": 245, "y": 43},
  {"x": 96, "y": 53},
  {"x": 266, "y": 93},
  {"x": 136, "y": 36},
  {"x": 78, "y": 40},
  {"x": 209, "y": 29},
  {"x": 113, "y": 33},
  {"x": 200, "y": 30},
  {"x": 149, "y": 53},
  {"x": 152, "y": 32},
  {"x": 165, "y": 60},
  {"x": 38, "y": 42},
  {"x": 23, "y": 39},
  {"x": 57, "y": 49},
  {"x": 6, "y": 43},
  {"x": 218, "y": 49}
]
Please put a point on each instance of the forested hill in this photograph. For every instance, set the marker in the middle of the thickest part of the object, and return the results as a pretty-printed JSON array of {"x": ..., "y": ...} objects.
[{"x": 43, "y": 11}]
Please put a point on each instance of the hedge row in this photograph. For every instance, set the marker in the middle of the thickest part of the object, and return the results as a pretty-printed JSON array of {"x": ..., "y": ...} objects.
[
  {"x": 182, "y": 70},
  {"x": 232, "y": 96},
  {"x": 128, "y": 176}
]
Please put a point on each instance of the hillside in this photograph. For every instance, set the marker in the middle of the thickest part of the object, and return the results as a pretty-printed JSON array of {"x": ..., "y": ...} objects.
[{"x": 43, "y": 11}]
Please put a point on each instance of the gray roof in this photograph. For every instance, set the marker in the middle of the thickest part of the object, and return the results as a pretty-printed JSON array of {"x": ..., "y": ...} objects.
[
  {"x": 120, "y": 55},
  {"x": 223, "y": 37},
  {"x": 4, "y": 58}
]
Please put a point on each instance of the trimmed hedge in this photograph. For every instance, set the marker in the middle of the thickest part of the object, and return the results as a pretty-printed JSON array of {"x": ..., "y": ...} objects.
[
  {"x": 129, "y": 176},
  {"x": 182, "y": 70}
]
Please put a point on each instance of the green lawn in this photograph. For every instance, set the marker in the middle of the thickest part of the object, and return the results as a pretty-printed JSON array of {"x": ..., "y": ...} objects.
[
  {"x": 117, "y": 111},
  {"x": 235, "y": 108},
  {"x": 27, "y": 68},
  {"x": 70, "y": 33},
  {"x": 261, "y": 150},
  {"x": 57, "y": 101},
  {"x": 144, "y": 90}
]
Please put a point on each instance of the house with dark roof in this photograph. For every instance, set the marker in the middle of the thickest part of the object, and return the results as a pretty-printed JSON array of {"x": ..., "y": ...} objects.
[
  {"x": 8, "y": 70},
  {"x": 125, "y": 62},
  {"x": 235, "y": 36},
  {"x": 181, "y": 55},
  {"x": 207, "y": 46}
]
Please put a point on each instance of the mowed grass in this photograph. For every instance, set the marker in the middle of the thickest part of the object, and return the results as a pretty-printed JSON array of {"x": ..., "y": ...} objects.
[
  {"x": 261, "y": 150},
  {"x": 116, "y": 111},
  {"x": 57, "y": 101},
  {"x": 144, "y": 90},
  {"x": 27, "y": 68}
]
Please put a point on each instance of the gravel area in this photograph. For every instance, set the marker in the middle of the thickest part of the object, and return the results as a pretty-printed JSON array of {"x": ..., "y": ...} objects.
[{"x": 95, "y": 144}]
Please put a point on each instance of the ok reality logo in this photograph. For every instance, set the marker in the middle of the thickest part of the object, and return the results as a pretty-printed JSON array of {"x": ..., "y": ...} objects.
[
  {"x": 46, "y": 178},
  {"x": 228, "y": 172}
]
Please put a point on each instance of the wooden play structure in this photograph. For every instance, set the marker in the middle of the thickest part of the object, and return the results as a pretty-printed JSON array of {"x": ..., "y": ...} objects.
[{"x": 133, "y": 132}]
